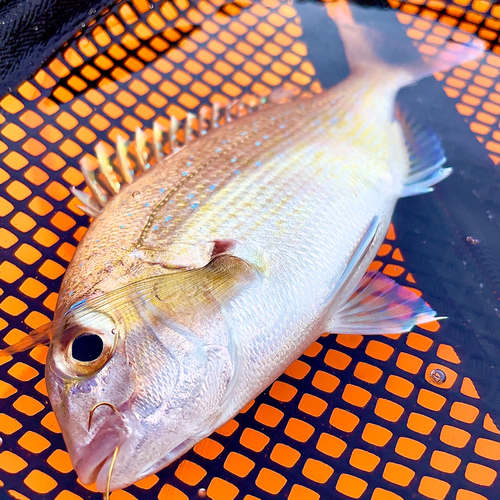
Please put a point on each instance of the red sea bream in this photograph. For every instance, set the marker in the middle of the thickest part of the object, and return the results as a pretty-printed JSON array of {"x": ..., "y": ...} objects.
[{"x": 202, "y": 280}]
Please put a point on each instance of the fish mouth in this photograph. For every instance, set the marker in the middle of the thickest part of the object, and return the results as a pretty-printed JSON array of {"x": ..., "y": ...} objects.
[
  {"x": 101, "y": 473},
  {"x": 93, "y": 460},
  {"x": 98, "y": 454}
]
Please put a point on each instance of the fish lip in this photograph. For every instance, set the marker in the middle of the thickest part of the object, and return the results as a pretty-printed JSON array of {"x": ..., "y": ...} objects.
[
  {"x": 101, "y": 473},
  {"x": 92, "y": 458}
]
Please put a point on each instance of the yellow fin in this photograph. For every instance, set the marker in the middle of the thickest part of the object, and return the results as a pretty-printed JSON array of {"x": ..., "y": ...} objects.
[
  {"x": 187, "y": 299},
  {"x": 216, "y": 281}
]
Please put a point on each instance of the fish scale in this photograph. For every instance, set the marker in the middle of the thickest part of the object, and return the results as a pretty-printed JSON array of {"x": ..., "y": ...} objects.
[
  {"x": 227, "y": 155},
  {"x": 170, "y": 210}
]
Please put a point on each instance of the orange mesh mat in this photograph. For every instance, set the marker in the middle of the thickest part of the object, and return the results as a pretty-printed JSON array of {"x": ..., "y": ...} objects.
[{"x": 354, "y": 417}]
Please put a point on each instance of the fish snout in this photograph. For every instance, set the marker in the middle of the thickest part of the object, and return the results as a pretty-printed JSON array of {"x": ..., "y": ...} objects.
[{"x": 93, "y": 460}]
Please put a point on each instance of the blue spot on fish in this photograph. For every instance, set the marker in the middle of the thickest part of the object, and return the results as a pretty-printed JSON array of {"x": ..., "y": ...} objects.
[
  {"x": 184, "y": 174},
  {"x": 244, "y": 133},
  {"x": 146, "y": 204},
  {"x": 122, "y": 227},
  {"x": 129, "y": 215},
  {"x": 189, "y": 163},
  {"x": 266, "y": 137},
  {"x": 212, "y": 188},
  {"x": 316, "y": 122},
  {"x": 233, "y": 160},
  {"x": 168, "y": 218},
  {"x": 76, "y": 304},
  {"x": 236, "y": 172},
  {"x": 162, "y": 190},
  {"x": 155, "y": 228},
  {"x": 194, "y": 205},
  {"x": 190, "y": 196},
  {"x": 218, "y": 150},
  {"x": 258, "y": 163},
  {"x": 257, "y": 143},
  {"x": 282, "y": 126}
]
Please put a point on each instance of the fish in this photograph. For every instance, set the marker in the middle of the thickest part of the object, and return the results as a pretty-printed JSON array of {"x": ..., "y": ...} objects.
[{"x": 198, "y": 283}]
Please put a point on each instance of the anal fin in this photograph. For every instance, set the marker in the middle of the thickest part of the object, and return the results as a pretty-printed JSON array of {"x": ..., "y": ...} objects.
[
  {"x": 380, "y": 306},
  {"x": 426, "y": 157}
]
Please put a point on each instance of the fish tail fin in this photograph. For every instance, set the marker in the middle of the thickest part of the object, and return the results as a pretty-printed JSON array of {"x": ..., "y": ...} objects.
[{"x": 375, "y": 42}]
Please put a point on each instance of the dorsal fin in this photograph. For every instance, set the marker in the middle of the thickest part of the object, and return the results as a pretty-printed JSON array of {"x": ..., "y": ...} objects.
[
  {"x": 426, "y": 157},
  {"x": 132, "y": 158}
]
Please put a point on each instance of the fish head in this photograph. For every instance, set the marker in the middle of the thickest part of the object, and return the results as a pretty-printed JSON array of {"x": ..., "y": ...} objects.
[{"x": 146, "y": 369}]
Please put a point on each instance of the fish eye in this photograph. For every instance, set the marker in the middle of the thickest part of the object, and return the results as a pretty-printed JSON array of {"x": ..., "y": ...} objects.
[
  {"x": 87, "y": 348},
  {"x": 85, "y": 344}
]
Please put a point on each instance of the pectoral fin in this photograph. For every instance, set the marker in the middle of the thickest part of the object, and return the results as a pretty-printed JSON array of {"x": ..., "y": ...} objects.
[
  {"x": 188, "y": 300},
  {"x": 380, "y": 306},
  {"x": 193, "y": 300},
  {"x": 217, "y": 282}
]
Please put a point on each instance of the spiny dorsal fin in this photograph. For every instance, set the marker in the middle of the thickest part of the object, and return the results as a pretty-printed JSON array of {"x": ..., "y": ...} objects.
[
  {"x": 131, "y": 159},
  {"x": 426, "y": 157}
]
